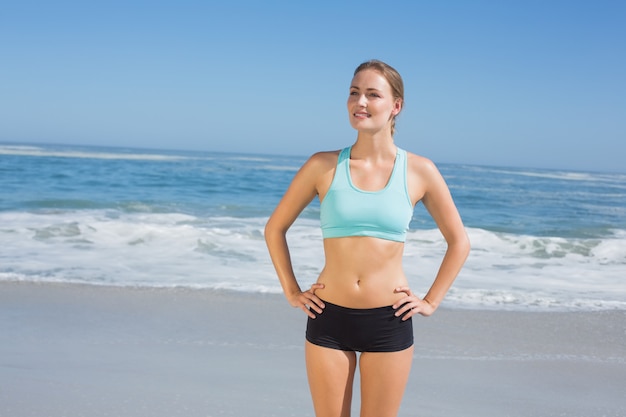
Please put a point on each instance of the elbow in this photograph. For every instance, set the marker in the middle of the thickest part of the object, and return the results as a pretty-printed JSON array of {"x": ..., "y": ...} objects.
[
  {"x": 461, "y": 245},
  {"x": 271, "y": 231},
  {"x": 267, "y": 232},
  {"x": 464, "y": 245}
]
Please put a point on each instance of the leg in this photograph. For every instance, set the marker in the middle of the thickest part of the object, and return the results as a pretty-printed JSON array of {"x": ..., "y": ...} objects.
[
  {"x": 383, "y": 380},
  {"x": 331, "y": 374}
]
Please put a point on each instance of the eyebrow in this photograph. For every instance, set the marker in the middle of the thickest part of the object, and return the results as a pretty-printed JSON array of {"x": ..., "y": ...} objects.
[{"x": 367, "y": 89}]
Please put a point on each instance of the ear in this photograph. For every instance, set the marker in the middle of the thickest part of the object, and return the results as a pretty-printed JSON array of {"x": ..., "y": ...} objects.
[{"x": 397, "y": 107}]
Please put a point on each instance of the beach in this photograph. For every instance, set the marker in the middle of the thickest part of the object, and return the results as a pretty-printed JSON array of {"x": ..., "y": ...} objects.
[{"x": 86, "y": 350}]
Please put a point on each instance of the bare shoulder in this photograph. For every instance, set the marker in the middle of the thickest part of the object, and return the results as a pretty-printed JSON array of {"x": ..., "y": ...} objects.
[
  {"x": 320, "y": 163},
  {"x": 319, "y": 170},
  {"x": 324, "y": 158},
  {"x": 422, "y": 168},
  {"x": 317, "y": 166},
  {"x": 423, "y": 178}
]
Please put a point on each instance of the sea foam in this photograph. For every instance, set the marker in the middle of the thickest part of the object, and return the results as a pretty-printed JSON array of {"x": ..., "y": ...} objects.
[{"x": 104, "y": 247}]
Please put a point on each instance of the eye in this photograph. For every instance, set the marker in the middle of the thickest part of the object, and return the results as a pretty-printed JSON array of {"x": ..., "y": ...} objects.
[{"x": 375, "y": 95}]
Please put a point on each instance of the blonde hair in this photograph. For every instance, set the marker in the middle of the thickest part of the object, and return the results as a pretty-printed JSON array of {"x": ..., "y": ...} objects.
[{"x": 393, "y": 78}]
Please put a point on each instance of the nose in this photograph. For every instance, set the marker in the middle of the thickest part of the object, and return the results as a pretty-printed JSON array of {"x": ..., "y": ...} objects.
[{"x": 362, "y": 101}]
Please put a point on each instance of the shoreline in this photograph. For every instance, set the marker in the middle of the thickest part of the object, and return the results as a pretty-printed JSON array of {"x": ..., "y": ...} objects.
[{"x": 76, "y": 350}]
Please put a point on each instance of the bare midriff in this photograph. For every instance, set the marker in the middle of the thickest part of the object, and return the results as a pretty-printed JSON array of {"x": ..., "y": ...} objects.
[{"x": 362, "y": 272}]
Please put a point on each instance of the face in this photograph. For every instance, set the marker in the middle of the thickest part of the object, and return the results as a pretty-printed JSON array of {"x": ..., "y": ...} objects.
[{"x": 371, "y": 105}]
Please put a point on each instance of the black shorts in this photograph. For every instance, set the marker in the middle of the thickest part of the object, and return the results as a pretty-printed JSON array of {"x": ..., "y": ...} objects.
[{"x": 360, "y": 330}]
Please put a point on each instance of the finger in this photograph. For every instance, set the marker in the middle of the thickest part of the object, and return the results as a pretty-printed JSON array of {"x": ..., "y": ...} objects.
[
  {"x": 311, "y": 302},
  {"x": 407, "y": 312},
  {"x": 410, "y": 306},
  {"x": 316, "y": 287},
  {"x": 410, "y": 313},
  {"x": 310, "y": 295},
  {"x": 402, "y": 302},
  {"x": 409, "y": 298},
  {"x": 315, "y": 303},
  {"x": 308, "y": 311},
  {"x": 403, "y": 309},
  {"x": 406, "y": 290}
]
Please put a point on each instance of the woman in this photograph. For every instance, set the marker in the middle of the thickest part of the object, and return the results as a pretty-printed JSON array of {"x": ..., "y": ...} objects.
[{"x": 361, "y": 301}]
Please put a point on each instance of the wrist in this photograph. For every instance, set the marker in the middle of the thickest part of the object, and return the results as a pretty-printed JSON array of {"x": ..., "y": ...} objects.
[
  {"x": 292, "y": 293},
  {"x": 432, "y": 304}
]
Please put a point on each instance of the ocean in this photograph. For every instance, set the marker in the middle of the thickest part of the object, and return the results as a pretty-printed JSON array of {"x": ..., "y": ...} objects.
[{"x": 542, "y": 240}]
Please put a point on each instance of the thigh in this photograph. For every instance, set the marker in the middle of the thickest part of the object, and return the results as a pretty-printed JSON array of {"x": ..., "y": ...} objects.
[
  {"x": 331, "y": 375},
  {"x": 383, "y": 379}
]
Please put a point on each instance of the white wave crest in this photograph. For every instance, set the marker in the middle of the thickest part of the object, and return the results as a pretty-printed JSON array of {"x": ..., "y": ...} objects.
[
  {"x": 45, "y": 152},
  {"x": 107, "y": 247}
]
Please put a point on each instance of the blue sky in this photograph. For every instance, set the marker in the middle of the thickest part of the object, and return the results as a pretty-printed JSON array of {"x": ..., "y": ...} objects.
[{"x": 529, "y": 84}]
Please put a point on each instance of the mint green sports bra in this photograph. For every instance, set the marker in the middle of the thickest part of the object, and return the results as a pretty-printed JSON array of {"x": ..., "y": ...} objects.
[{"x": 349, "y": 211}]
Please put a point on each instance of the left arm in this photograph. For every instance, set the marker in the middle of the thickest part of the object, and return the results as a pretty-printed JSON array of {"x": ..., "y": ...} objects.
[{"x": 437, "y": 199}]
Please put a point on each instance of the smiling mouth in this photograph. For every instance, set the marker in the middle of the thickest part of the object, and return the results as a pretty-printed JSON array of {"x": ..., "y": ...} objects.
[{"x": 361, "y": 115}]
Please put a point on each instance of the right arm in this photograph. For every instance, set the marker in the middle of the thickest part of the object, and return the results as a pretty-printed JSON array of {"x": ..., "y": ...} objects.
[{"x": 302, "y": 190}]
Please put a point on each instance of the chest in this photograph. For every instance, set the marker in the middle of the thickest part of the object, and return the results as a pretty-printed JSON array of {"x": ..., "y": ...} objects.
[{"x": 370, "y": 177}]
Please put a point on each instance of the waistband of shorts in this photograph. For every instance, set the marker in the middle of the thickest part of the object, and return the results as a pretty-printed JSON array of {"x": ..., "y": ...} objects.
[{"x": 358, "y": 311}]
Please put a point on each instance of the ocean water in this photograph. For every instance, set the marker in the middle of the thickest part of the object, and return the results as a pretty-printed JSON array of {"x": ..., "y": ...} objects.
[{"x": 541, "y": 239}]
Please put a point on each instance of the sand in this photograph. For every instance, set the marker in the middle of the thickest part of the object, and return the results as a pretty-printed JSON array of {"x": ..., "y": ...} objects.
[{"x": 75, "y": 350}]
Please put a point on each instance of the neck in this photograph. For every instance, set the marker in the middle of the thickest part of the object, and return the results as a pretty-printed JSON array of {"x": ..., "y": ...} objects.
[{"x": 378, "y": 146}]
